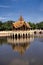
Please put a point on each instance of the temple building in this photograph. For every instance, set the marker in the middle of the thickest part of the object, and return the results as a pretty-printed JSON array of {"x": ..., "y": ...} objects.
[{"x": 21, "y": 25}]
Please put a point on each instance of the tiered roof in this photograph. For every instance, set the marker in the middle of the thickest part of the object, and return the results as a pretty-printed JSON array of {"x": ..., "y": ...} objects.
[{"x": 20, "y": 23}]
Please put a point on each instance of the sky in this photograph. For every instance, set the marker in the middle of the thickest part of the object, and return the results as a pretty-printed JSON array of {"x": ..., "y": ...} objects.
[{"x": 31, "y": 10}]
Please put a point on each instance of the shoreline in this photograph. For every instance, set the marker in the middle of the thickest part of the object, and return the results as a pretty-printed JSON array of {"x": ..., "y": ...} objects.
[{"x": 31, "y": 32}]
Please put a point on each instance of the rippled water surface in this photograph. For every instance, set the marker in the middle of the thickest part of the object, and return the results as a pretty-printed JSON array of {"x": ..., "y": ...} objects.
[{"x": 24, "y": 51}]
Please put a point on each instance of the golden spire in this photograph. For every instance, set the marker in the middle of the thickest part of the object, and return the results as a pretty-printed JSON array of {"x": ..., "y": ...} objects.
[{"x": 21, "y": 18}]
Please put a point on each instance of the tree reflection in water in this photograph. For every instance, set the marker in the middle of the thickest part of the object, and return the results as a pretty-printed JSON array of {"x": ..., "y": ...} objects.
[{"x": 3, "y": 40}]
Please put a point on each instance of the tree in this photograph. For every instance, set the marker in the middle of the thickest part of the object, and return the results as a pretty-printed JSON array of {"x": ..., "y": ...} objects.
[
  {"x": 1, "y": 25},
  {"x": 33, "y": 26},
  {"x": 40, "y": 25}
]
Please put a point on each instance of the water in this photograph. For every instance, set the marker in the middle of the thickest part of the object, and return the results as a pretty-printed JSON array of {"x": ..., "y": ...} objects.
[{"x": 23, "y": 51}]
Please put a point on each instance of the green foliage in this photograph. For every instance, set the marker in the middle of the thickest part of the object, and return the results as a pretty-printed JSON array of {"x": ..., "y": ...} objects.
[
  {"x": 0, "y": 25},
  {"x": 8, "y": 25},
  {"x": 33, "y": 26},
  {"x": 40, "y": 25},
  {"x": 37, "y": 25}
]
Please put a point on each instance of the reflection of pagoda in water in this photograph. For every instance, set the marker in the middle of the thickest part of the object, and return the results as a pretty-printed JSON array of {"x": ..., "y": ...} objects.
[
  {"x": 20, "y": 48},
  {"x": 20, "y": 45},
  {"x": 20, "y": 40}
]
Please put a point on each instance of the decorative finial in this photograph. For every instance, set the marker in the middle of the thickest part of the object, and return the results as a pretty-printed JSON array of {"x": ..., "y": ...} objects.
[{"x": 21, "y": 18}]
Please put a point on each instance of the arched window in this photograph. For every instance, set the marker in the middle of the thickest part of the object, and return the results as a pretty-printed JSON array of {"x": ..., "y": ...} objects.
[{"x": 15, "y": 35}]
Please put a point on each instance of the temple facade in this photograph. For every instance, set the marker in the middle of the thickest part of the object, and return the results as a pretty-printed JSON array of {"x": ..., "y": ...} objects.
[{"x": 21, "y": 25}]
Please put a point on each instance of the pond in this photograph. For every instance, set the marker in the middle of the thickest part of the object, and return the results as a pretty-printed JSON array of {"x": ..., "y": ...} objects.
[{"x": 23, "y": 51}]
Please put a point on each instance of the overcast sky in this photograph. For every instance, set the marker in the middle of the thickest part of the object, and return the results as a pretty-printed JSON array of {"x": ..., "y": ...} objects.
[{"x": 31, "y": 10}]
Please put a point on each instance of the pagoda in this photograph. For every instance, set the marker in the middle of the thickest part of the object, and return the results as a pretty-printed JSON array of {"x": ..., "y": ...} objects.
[{"x": 21, "y": 25}]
